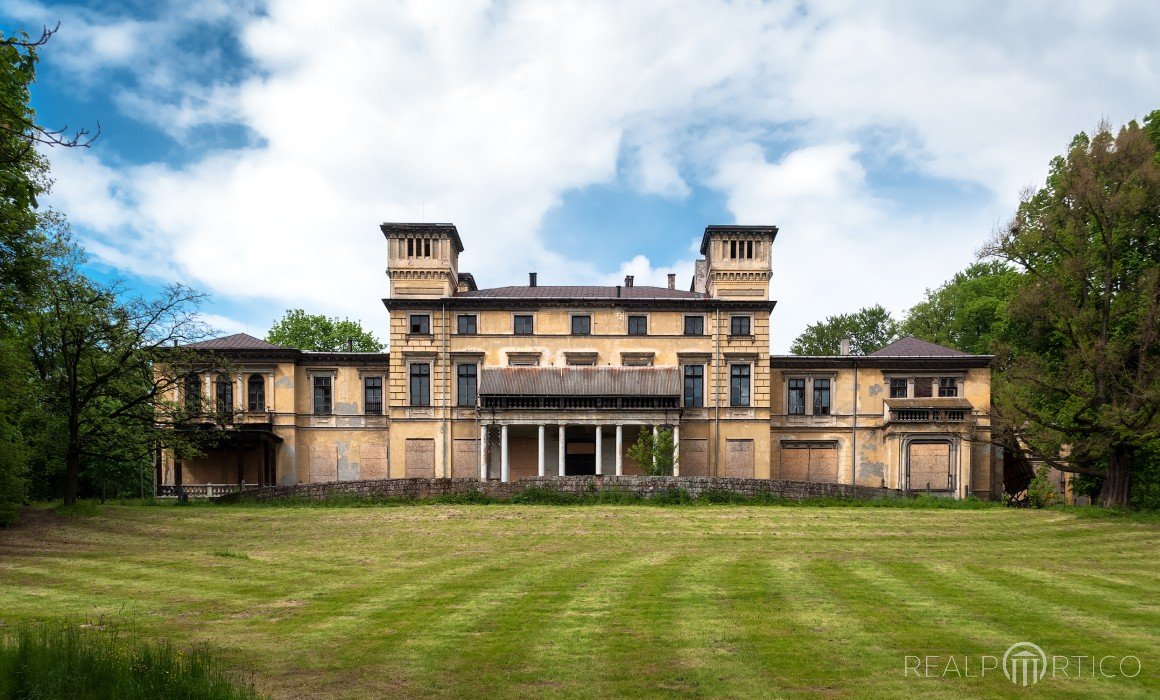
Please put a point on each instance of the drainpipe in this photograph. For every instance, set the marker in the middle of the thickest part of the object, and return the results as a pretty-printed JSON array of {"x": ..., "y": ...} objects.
[
  {"x": 717, "y": 393},
  {"x": 854, "y": 432},
  {"x": 446, "y": 396}
]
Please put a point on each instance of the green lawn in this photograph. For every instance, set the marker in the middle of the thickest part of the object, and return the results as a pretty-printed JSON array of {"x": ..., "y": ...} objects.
[{"x": 598, "y": 601}]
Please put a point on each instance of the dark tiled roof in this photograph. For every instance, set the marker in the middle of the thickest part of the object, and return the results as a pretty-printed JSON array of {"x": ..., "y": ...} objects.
[
  {"x": 913, "y": 347},
  {"x": 581, "y": 292},
  {"x": 237, "y": 341},
  {"x": 580, "y": 381}
]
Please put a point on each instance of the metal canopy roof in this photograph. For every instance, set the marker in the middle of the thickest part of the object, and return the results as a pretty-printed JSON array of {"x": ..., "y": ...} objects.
[{"x": 580, "y": 381}]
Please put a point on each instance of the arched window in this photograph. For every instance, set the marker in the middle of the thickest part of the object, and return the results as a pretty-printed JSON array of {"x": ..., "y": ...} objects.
[
  {"x": 225, "y": 394},
  {"x": 192, "y": 393},
  {"x": 256, "y": 393}
]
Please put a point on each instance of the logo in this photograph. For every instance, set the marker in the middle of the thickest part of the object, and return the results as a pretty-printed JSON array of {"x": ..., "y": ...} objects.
[{"x": 1024, "y": 664}]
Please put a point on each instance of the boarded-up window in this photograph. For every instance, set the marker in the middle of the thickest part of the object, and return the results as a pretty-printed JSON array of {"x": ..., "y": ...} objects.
[
  {"x": 373, "y": 462},
  {"x": 465, "y": 458},
  {"x": 929, "y": 465},
  {"x": 694, "y": 457},
  {"x": 420, "y": 458},
  {"x": 323, "y": 463},
  {"x": 739, "y": 459},
  {"x": 809, "y": 461}
]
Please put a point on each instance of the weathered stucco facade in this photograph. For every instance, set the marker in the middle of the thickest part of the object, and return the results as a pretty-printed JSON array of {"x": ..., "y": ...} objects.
[{"x": 532, "y": 380}]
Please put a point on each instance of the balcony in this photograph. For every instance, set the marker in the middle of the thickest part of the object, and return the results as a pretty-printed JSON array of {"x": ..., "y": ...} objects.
[
  {"x": 927, "y": 410},
  {"x": 928, "y": 415}
]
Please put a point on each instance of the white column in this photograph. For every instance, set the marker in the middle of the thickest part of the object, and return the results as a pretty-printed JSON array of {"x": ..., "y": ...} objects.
[
  {"x": 483, "y": 453},
  {"x": 654, "y": 434},
  {"x": 599, "y": 450},
  {"x": 676, "y": 450},
  {"x": 619, "y": 449},
  {"x": 541, "y": 463},
  {"x": 563, "y": 443},
  {"x": 503, "y": 453}
]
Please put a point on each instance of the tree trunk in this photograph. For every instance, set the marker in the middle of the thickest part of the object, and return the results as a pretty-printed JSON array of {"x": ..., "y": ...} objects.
[
  {"x": 72, "y": 461},
  {"x": 1116, "y": 492}
]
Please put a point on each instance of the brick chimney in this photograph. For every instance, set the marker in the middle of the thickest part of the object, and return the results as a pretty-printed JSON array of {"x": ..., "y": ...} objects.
[
  {"x": 672, "y": 280},
  {"x": 628, "y": 280},
  {"x": 531, "y": 279},
  {"x": 845, "y": 346}
]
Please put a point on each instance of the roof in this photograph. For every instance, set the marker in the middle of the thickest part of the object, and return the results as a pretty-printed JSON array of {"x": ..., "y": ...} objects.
[
  {"x": 930, "y": 402},
  {"x": 770, "y": 231},
  {"x": 580, "y": 381},
  {"x": 913, "y": 347},
  {"x": 390, "y": 228},
  {"x": 581, "y": 292},
  {"x": 237, "y": 341}
]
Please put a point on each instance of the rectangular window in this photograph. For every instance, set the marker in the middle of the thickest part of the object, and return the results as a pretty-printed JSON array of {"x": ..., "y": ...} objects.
[
  {"x": 749, "y": 249},
  {"x": 427, "y": 248},
  {"x": 373, "y": 395},
  {"x": 581, "y": 325},
  {"x": 322, "y": 396},
  {"x": 948, "y": 386},
  {"x": 256, "y": 390},
  {"x": 739, "y": 385},
  {"x": 694, "y": 325},
  {"x": 638, "y": 325},
  {"x": 821, "y": 397},
  {"x": 225, "y": 394},
  {"x": 694, "y": 386},
  {"x": 922, "y": 388},
  {"x": 732, "y": 249},
  {"x": 522, "y": 324},
  {"x": 466, "y": 324},
  {"x": 739, "y": 325},
  {"x": 797, "y": 397},
  {"x": 898, "y": 388},
  {"x": 420, "y": 384},
  {"x": 410, "y": 247},
  {"x": 420, "y": 324},
  {"x": 467, "y": 375}
]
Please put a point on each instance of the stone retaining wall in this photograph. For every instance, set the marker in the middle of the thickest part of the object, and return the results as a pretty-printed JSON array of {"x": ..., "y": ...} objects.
[{"x": 643, "y": 485}]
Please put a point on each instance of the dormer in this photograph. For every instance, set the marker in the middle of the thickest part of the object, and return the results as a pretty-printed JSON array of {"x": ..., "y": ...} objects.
[
  {"x": 422, "y": 259},
  {"x": 738, "y": 261}
]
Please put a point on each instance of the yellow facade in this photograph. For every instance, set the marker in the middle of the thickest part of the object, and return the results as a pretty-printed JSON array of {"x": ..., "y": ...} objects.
[{"x": 484, "y": 383}]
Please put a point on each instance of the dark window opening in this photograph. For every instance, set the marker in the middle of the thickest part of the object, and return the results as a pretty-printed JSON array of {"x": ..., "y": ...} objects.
[
  {"x": 694, "y": 325},
  {"x": 694, "y": 386},
  {"x": 821, "y": 397},
  {"x": 373, "y": 395},
  {"x": 797, "y": 397},
  {"x": 467, "y": 324},
  {"x": 922, "y": 388},
  {"x": 410, "y": 247},
  {"x": 256, "y": 393},
  {"x": 581, "y": 325},
  {"x": 522, "y": 325},
  {"x": 739, "y": 385},
  {"x": 225, "y": 395},
  {"x": 740, "y": 325},
  {"x": 420, "y": 324},
  {"x": 898, "y": 388},
  {"x": 467, "y": 379},
  {"x": 638, "y": 325},
  {"x": 948, "y": 387},
  {"x": 192, "y": 394},
  {"x": 322, "y": 396},
  {"x": 420, "y": 384}
]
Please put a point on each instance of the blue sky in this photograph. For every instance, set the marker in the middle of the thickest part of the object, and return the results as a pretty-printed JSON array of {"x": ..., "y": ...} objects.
[{"x": 250, "y": 149}]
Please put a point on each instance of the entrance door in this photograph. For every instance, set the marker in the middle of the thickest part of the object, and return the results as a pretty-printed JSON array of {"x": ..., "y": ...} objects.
[
  {"x": 929, "y": 466},
  {"x": 580, "y": 457}
]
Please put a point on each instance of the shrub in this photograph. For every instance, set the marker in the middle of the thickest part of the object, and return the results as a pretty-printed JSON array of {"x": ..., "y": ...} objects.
[
  {"x": 69, "y": 661},
  {"x": 1040, "y": 492}
]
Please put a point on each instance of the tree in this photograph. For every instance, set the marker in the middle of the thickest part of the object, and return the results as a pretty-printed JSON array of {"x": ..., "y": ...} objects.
[
  {"x": 868, "y": 329},
  {"x": 654, "y": 455},
  {"x": 95, "y": 353},
  {"x": 1080, "y": 361},
  {"x": 298, "y": 329},
  {"x": 968, "y": 313}
]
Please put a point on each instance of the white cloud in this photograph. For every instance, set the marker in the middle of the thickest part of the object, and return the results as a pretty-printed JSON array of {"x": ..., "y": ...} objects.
[{"x": 486, "y": 114}]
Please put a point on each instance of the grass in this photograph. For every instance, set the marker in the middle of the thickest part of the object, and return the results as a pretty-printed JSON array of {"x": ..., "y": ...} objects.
[
  {"x": 93, "y": 663},
  {"x": 606, "y": 600}
]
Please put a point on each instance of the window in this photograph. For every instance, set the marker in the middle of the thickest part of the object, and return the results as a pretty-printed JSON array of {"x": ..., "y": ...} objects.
[
  {"x": 638, "y": 325},
  {"x": 466, "y": 324},
  {"x": 796, "y": 405},
  {"x": 322, "y": 396},
  {"x": 821, "y": 397},
  {"x": 192, "y": 394},
  {"x": 225, "y": 394},
  {"x": 694, "y": 325},
  {"x": 256, "y": 393},
  {"x": 740, "y": 325},
  {"x": 420, "y": 324},
  {"x": 898, "y": 388},
  {"x": 467, "y": 375},
  {"x": 948, "y": 386},
  {"x": 694, "y": 386},
  {"x": 739, "y": 385},
  {"x": 581, "y": 359},
  {"x": 373, "y": 395},
  {"x": 922, "y": 388},
  {"x": 581, "y": 325},
  {"x": 420, "y": 384},
  {"x": 522, "y": 324}
]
